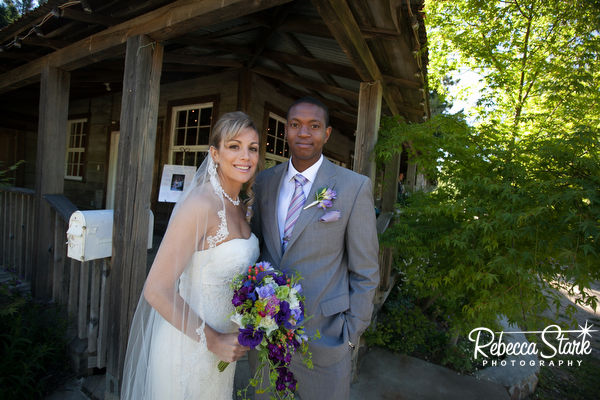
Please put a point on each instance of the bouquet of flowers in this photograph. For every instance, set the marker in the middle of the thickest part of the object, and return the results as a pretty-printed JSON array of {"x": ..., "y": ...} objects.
[{"x": 269, "y": 308}]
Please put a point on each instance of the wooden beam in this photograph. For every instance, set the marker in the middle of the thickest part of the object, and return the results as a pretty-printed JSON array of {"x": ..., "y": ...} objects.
[
  {"x": 308, "y": 62},
  {"x": 367, "y": 126},
  {"x": 170, "y": 21},
  {"x": 401, "y": 82},
  {"x": 277, "y": 20},
  {"x": 244, "y": 90},
  {"x": 139, "y": 112},
  {"x": 307, "y": 27},
  {"x": 50, "y": 169},
  {"x": 211, "y": 61},
  {"x": 44, "y": 42},
  {"x": 338, "y": 17},
  {"x": 309, "y": 83},
  {"x": 93, "y": 18}
]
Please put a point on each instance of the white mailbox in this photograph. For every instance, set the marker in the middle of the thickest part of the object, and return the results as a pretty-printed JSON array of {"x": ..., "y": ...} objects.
[{"x": 89, "y": 236}]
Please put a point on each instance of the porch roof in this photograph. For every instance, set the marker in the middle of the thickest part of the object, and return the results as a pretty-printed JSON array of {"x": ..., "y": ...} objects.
[{"x": 323, "y": 48}]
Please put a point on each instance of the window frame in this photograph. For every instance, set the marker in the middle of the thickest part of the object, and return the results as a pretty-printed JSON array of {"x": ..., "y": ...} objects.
[
  {"x": 188, "y": 105},
  {"x": 279, "y": 119},
  {"x": 82, "y": 150}
]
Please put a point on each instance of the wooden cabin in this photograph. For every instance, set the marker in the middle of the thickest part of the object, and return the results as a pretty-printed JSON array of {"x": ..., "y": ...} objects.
[{"x": 98, "y": 96}]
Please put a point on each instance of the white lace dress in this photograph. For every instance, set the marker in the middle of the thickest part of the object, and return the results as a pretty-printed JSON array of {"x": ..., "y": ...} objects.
[{"x": 204, "y": 285}]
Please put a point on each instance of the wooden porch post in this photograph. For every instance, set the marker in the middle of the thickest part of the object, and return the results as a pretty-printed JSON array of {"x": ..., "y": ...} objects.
[
  {"x": 367, "y": 126},
  {"x": 244, "y": 90},
  {"x": 50, "y": 169},
  {"x": 141, "y": 86}
]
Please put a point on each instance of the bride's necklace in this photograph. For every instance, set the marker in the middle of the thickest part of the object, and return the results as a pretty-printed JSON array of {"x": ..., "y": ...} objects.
[{"x": 235, "y": 202}]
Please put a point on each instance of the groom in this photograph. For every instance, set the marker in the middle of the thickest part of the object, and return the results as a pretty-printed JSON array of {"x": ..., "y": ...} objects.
[{"x": 335, "y": 250}]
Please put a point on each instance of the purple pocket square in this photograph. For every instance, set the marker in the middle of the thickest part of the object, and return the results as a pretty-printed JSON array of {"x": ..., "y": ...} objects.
[{"x": 330, "y": 216}]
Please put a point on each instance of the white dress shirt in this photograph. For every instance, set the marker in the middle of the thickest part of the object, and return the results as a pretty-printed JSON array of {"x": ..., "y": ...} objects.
[{"x": 287, "y": 190}]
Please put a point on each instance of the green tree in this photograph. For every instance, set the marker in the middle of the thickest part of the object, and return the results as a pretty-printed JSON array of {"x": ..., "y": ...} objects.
[
  {"x": 516, "y": 212},
  {"x": 10, "y": 10}
]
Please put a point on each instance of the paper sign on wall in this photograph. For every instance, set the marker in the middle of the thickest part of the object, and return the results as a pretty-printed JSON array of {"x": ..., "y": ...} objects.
[{"x": 175, "y": 179}]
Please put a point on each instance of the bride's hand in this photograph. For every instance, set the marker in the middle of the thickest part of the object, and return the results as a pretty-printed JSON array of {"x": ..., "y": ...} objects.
[{"x": 224, "y": 345}]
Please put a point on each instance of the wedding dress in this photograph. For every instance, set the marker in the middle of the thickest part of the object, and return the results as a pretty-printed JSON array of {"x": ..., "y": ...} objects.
[
  {"x": 162, "y": 363},
  {"x": 205, "y": 287}
]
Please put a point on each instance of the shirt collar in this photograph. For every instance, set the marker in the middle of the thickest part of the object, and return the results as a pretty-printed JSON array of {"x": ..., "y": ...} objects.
[{"x": 310, "y": 173}]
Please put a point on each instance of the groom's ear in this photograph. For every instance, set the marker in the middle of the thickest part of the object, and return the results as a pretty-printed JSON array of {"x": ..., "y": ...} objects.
[{"x": 327, "y": 133}]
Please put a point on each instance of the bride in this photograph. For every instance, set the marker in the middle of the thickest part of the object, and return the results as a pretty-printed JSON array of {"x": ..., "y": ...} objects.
[{"x": 181, "y": 328}]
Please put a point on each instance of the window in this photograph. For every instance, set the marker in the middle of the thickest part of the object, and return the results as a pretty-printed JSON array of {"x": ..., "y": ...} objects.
[
  {"x": 336, "y": 162},
  {"x": 277, "y": 150},
  {"x": 75, "y": 158},
  {"x": 190, "y": 131}
]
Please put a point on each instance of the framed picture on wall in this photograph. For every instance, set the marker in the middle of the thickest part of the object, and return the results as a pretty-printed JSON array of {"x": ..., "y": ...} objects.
[{"x": 175, "y": 179}]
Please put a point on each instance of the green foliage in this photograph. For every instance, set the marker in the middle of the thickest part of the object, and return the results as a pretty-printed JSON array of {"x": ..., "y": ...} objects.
[
  {"x": 403, "y": 326},
  {"x": 5, "y": 174},
  {"x": 32, "y": 346},
  {"x": 516, "y": 210}
]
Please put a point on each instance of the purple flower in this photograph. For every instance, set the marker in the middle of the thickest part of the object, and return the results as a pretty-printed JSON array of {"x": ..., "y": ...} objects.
[
  {"x": 275, "y": 353},
  {"x": 281, "y": 280},
  {"x": 271, "y": 307},
  {"x": 250, "y": 337},
  {"x": 265, "y": 291},
  {"x": 284, "y": 313},
  {"x": 297, "y": 314},
  {"x": 238, "y": 299},
  {"x": 298, "y": 287}
]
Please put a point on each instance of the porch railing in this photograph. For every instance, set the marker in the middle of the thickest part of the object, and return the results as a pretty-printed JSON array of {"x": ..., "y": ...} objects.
[
  {"x": 79, "y": 286},
  {"x": 17, "y": 228}
]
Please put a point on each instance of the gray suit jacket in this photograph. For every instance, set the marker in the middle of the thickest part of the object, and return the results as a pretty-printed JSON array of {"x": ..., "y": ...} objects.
[{"x": 338, "y": 260}]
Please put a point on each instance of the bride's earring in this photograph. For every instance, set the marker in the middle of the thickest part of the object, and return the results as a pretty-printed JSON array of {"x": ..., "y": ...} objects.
[{"x": 212, "y": 168}]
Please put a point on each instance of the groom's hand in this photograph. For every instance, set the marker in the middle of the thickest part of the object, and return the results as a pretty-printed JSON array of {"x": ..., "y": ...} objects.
[{"x": 224, "y": 345}]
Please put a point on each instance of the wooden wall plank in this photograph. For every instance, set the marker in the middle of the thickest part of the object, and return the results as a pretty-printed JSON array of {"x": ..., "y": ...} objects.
[
  {"x": 50, "y": 169},
  {"x": 82, "y": 305},
  {"x": 31, "y": 213},
  {"x": 367, "y": 126},
  {"x": 139, "y": 112},
  {"x": 94, "y": 319},
  {"x": 3, "y": 196},
  {"x": 74, "y": 272},
  {"x": 103, "y": 315}
]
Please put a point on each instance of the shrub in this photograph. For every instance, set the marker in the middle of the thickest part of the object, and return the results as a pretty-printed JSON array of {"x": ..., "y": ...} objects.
[{"x": 33, "y": 356}]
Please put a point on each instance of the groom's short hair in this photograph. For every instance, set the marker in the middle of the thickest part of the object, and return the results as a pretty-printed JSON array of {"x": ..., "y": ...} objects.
[{"x": 313, "y": 101}]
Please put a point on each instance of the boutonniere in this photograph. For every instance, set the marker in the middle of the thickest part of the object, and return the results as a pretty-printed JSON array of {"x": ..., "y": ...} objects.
[{"x": 324, "y": 198}]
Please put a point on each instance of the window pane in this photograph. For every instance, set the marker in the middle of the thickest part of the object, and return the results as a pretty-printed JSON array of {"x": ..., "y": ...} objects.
[
  {"x": 200, "y": 156},
  {"x": 190, "y": 137},
  {"x": 272, "y": 127},
  {"x": 205, "y": 116},
  {"x": 280, "y": 130},
  {"x": 181, "y": 115},
  {"x": 189, "y": 158},
  {"x": 279, "y": 147},
  {"x": 178, "y": 159},
  {"x": 180, "y": 137},
  {"x": 286, "y": 152},
  {"x": 192, "y": 117},
  {"x": 270, "y": 145},
  {"x": 203, "y": 135}
]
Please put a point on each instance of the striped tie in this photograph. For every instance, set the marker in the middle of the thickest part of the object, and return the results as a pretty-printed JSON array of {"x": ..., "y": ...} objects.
[{"x": 294, "y": 210}]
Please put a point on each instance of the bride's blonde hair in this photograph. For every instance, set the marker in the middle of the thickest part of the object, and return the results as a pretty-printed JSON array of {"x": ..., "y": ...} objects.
[{"x": 228, "y": 127}]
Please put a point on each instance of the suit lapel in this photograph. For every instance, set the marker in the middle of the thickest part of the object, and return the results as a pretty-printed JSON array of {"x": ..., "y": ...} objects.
[
  {"x": 272, "y": 238},
  {"x": 325, "y": 178}
]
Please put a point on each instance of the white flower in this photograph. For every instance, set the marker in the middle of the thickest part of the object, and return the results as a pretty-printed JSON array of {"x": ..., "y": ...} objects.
[
  {"x": 293, "y": 300},
  {"x": 237, "y": 319},
  {"x": 268, "y": 324}
]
